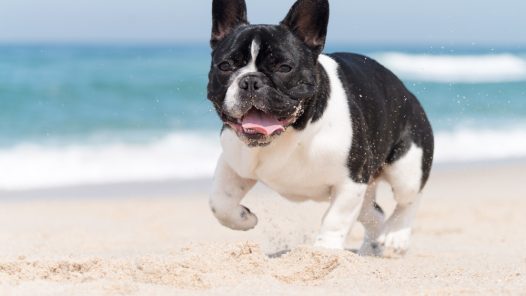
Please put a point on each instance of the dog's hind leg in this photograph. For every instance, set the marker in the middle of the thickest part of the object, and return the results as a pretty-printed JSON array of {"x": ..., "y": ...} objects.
[
  {"x": 227, "y": 192},
  {"x": 405, "y": 177},
  {"x": 372, "y": 218},
  {"x": 346, "y": 201}
]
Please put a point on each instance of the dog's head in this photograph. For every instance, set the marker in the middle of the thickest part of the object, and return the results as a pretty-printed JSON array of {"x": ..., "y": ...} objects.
[{"x": 262, "y": 76}]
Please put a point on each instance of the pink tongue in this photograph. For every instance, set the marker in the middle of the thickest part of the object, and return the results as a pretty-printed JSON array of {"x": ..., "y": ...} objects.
[{"x": 261, "y": 122}]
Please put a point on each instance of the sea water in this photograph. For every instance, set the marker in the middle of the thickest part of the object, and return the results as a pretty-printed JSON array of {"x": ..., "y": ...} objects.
[{"x": 89, "y": 114}]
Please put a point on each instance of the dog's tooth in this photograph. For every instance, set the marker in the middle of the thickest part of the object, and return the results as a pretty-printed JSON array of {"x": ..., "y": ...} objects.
[{"x": 251, "y": 131}]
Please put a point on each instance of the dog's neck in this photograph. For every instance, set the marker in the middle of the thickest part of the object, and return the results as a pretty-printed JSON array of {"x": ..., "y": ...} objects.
[{"x": 315, "y": 106}]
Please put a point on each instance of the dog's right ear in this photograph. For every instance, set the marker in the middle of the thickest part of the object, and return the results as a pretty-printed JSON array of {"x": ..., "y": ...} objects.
[{"x": 226, "y": 16}]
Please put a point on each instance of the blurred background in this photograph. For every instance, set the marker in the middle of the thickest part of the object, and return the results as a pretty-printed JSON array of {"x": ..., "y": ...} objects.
[{"x": 98, "y": 92}]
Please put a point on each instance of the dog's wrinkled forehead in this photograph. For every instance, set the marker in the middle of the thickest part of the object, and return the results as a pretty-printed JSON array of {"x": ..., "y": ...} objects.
[{"x": 269, "y": 41}]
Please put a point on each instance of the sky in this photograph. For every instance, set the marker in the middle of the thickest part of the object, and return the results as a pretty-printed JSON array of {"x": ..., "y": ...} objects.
[{"x": 450, "y": 22}]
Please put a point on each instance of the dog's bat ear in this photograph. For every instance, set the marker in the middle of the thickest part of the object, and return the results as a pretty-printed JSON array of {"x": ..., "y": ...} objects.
[
  {"x": 308, "y": 20},
  {"x": 226, "y": 16}
]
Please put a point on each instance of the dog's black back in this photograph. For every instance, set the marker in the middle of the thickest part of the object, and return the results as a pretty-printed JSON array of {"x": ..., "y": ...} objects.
[{"x": 386, "y": 116}]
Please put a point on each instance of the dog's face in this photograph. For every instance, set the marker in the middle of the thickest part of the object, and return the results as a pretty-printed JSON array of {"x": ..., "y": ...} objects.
[{"x": 262, "y": 76}]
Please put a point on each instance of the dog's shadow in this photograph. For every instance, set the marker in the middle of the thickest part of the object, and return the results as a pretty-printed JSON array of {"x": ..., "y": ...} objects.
[{"x": 279, "y": 254}]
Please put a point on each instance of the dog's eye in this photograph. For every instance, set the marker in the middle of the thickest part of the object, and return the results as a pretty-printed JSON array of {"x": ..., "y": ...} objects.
[
  {"x": 225, "y": 67},
  {"x": 284, "y": 68}
]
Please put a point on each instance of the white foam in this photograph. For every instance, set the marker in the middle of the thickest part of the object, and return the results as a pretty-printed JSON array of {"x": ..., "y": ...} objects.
[
  {"x": 455, "y": 68},
  {"x": 466, "y": 145},
  {"x": 177, "y": 156},
  {"x": 191, "y": 156}
]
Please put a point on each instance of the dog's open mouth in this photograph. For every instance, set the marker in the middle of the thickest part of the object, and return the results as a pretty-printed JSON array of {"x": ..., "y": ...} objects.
[{"x": 258, "y": 123}]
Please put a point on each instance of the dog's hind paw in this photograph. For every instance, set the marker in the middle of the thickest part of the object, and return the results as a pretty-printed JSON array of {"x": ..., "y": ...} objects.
[
  {"x": 395, "y": 242},
  {"x": 370, "y": 248}
]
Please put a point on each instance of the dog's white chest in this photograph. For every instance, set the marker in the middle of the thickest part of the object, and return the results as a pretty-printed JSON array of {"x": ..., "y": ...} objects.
[{"x": 296, "y": 170}]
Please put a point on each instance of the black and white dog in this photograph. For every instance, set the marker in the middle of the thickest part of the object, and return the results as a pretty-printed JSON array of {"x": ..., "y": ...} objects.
[{"x": 313, "y": 126}]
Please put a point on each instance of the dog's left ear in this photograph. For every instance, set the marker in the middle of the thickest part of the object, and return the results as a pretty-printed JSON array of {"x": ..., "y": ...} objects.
[
  {"x": 226, "y": 16},
  {"x": 308, "y": 20}
]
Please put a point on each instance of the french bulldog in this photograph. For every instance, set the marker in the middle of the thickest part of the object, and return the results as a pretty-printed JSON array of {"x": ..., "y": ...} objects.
[{"x": 313, "y": 126}]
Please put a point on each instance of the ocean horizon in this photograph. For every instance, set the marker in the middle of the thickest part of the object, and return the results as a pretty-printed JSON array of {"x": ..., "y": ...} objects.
[{"x": 75, "y": 114}]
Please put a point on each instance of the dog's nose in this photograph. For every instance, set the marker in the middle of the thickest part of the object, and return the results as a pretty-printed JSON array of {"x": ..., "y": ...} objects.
[{"x": 251, "y": 83}]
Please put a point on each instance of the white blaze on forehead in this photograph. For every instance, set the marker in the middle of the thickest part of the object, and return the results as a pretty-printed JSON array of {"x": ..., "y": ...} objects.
[
  {"x": 232, "y": 93},
  {"x": 251, "y": 65},
  {"x": 254, "y": 51}
]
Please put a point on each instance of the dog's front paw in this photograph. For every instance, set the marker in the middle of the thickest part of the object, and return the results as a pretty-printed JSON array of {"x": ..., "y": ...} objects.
[
  {"x": 395, "y": 242},
  {"x": 239, "y": 218}
]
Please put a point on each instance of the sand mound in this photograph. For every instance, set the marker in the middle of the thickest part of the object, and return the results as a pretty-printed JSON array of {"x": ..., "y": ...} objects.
[{"x": 196, "y": 267}]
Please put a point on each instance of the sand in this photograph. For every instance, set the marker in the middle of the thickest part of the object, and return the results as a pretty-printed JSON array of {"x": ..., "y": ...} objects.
[{"x": 469, "y": 238}]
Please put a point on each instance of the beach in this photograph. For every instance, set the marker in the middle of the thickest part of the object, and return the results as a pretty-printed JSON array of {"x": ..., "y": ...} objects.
[
  {"x": 107, "y": 154},
  {"x": 110, "y": 137},
  {"x": 161, "y": 239}
]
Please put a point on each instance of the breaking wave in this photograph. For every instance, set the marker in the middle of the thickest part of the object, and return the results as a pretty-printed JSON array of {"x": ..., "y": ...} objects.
[
  {"x": 194, "y": 155},
  {"x": 456, "y": 68}
]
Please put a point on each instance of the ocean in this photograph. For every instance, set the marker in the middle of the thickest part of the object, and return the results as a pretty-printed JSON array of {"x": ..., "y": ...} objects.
[{"x": 91, "y": 114}]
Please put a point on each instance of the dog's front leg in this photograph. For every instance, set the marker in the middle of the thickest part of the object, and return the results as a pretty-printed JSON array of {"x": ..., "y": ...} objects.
[
  {"x": 227, "y": 192},
  {"x": 346, "y": 201}
]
